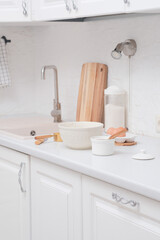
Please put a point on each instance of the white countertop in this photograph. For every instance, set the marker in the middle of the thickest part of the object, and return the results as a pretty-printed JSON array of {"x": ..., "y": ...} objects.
[{"x": 120, "y": 169}]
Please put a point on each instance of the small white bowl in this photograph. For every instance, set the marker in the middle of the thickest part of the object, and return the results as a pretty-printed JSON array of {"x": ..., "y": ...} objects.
[
  {"x": 76, "y": 135},
  {"x": 129, "y": 138},
  {"x": 102, "y": 146}
]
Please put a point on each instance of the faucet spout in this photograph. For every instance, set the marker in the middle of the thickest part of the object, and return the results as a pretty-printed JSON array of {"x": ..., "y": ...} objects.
[{"x": 56, "y": 112}]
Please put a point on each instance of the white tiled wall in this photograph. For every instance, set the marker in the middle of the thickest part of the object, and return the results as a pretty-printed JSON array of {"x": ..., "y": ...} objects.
[
  {"x": 18, "y": 98},
  {"x": 68, "y": 46}
]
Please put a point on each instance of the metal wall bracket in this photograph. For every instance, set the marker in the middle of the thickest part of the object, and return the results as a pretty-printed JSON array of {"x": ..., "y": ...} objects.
[{"x": 6, "y": 40}]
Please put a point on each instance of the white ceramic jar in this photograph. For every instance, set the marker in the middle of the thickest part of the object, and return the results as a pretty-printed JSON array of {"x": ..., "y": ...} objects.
[
  {"x": 102, "y": 146},
  {"x": 114, "y": 107}
]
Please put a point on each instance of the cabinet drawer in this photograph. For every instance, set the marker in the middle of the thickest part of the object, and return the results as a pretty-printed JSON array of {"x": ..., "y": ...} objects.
[{"x": 142, "y": 207}]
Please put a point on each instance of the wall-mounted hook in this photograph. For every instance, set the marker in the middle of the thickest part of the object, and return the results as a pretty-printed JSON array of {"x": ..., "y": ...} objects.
[{"x": 6, "y": 40}]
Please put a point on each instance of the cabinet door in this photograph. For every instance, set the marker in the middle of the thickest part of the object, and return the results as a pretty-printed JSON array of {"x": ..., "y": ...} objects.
[
  {"x": 14, "y": 204},
  {"x": 142, "y": 5},
  {"x": 52, "y": 9},
  {"x": 56, "y": 202},
  {"x": 14, "y": 10},
  {"x": 87, "y": 8},
  {"x": 103, "y": 219}
]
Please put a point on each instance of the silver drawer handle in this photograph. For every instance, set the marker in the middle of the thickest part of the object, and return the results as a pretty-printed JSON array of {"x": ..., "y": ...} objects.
[
  {"x": 119, "y": 199},
  {"x": 24, "y": 6},
  {"x": 74, "y": 5},
  {"x": 67, "y": 6},
  {"x": 20, "y": 177}
]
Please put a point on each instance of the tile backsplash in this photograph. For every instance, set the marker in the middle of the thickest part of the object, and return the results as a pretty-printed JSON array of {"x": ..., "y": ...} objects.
[
  {"x": 68, "y": 46},
  {"x": 18, "y": 98}
]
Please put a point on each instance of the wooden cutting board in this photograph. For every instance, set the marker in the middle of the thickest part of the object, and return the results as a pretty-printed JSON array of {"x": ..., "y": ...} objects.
[{"x": 90, "y": 106}]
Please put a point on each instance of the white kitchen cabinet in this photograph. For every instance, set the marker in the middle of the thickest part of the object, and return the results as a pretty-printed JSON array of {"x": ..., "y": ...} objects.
[
  {"x": 14, "y": 204},
  {"x": 88, "y": 8},
  {"x": 15, "y": 10},
  {"x": 56, "y": 202},
  {"x": 104, "y": 218},
  {"x": 63, "y": 9},
  {"x": 142, "y": 5},
  {"x": 44, "y": 10},
  {"x": 52, "y": 9}
]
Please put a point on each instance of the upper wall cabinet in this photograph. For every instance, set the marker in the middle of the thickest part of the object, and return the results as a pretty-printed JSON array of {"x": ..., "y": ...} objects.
[
  {"x": 89, "y": 8},
  {"x": 45, "y": 10},
  {"x": 15, "y": 10},
  {"x": 52, "y": 9},
  {"x": 142, "y": 5},
  {"x": 65, "y": 9}
]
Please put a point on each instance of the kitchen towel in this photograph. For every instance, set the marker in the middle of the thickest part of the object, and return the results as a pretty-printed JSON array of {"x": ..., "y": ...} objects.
[{"x": 5, "y": 79}]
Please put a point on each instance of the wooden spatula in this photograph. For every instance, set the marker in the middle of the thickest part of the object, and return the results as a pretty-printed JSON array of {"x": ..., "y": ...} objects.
[{"x": 118, "y": 133}]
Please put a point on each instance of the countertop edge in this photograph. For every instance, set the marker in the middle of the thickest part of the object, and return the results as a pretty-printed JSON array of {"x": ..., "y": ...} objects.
[{"x": 106, "y": 177}]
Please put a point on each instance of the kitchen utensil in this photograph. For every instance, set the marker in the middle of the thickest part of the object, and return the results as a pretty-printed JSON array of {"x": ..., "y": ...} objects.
[
  {"x": 40, "y": 141},
  {"x": 102, "y": 145},
  {"x": 56, "y": 136},
  {"x": 129, "y": 138},
  {"x": 125, "y": 143},
  {"x": 76, "y": 135},
  {"x": 118, "y": 133},
  {"x": 43, "y": 137},
  {"x": 143, "y": 156},
  {"x": 90, "y": 106}
]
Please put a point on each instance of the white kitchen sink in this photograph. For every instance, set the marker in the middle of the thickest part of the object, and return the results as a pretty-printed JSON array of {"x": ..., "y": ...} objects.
[{"x": 25, "y": 126}]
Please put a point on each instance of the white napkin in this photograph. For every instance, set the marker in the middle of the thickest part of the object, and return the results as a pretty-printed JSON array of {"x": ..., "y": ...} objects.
[{"x": 5, "y": 79}]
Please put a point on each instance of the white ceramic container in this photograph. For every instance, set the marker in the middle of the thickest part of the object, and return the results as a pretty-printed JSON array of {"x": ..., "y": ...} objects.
[
  {"x": 114, "y": 100},
  {"x": 76, "y": 135},
  {"x": 102, "y": 146}
]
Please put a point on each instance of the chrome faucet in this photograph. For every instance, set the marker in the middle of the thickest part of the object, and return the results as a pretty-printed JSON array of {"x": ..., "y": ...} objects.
[{"x": 56, "y": 112}]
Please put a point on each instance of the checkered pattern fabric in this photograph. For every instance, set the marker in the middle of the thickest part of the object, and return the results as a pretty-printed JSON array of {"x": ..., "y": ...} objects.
[{"x": 5, "y": 79}]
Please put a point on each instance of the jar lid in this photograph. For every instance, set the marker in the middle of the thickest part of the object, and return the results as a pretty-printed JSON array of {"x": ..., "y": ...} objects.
[
  {"x": 113, "y": 90},
  {"x": 143, "y": 155}
]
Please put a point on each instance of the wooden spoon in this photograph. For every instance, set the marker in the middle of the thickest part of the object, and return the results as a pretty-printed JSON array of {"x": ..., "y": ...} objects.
[
  {"x": 43, "y": 137},
  {"x": 40, "y": 141},
  {"x": 118, "y": 133},
  {"x": 56, "y": 136}
]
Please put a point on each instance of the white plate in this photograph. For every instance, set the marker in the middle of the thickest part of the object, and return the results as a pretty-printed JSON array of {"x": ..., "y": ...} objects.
[{"x": 129, "y": 138}]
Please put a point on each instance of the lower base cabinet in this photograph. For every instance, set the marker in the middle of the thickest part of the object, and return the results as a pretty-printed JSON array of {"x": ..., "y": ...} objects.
[
  {"x": 105, "y": 219},
  {"x": 56, "y": 202},
  {"x": 66, "y": 205},
  {"x": 14, "y": 195}
]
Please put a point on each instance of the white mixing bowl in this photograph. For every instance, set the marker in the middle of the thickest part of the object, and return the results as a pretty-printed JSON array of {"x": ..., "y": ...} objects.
[{"x": 76, "y": 135}]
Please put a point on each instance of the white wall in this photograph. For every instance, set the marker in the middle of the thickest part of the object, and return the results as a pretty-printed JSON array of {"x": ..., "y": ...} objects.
[
  {"x": 68, "y": 46},
  {"x": 18, "y": 98}
]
